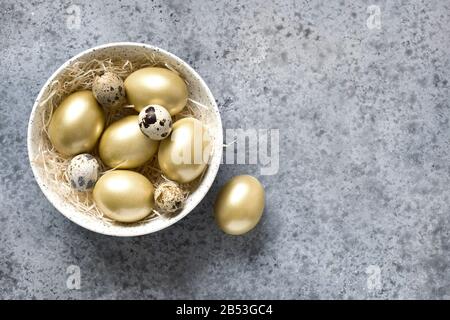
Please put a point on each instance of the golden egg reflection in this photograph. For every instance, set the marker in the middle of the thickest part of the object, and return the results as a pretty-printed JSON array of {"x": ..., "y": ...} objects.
[
  {"x": 124, "y": 146},
  {"x": 239, "y": 205},
  {"x": 159, "y": 86},
  {"x": 124, "y": 196},
  {"x": 184, "y": 155},
  {"x": 76, "y": 124}
]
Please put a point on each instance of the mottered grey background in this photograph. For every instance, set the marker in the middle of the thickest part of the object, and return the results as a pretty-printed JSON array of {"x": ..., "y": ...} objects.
[{"x": 360, "y": 206}]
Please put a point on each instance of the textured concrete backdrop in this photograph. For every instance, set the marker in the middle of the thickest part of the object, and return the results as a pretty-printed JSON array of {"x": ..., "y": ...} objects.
[{"x": 360, "y": 207}]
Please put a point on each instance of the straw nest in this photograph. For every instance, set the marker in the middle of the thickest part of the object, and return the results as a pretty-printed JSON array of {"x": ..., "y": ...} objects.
[{"x": 80, "y": 76}]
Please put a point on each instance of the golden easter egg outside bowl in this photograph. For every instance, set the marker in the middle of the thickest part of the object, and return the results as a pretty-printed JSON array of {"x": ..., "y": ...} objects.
[{"x": 49, "y": 161}]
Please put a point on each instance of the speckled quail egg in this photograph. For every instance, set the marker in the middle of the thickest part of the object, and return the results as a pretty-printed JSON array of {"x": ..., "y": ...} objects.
[
  {"x": 109, "y": 90},
  {"x": 83, "y": 172},
  {"x": 169, "y": 197},
  {"x": 155, "y": 122}
]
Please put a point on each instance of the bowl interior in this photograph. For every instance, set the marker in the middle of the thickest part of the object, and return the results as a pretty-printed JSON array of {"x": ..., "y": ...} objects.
[{"x": 198, "y": 91}]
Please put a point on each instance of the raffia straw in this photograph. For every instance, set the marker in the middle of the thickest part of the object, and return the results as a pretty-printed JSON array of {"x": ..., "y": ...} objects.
[{"x": 80, "y": 76}]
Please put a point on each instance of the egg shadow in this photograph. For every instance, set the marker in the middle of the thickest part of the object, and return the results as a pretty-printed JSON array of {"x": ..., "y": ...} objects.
[{"x": 173, "y": 262}]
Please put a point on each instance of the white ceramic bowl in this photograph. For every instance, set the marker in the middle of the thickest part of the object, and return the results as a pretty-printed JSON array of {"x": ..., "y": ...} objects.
[{"x": 198, "y": 91}]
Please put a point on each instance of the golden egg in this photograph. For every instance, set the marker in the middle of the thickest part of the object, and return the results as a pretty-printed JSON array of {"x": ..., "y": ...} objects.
[
  {"x": 184, "y": 155},
  {"x": 76, "y": 124},
  {"x": 124, "y": 146},
  {"x": 239, "y": 205},
  {"x": 124, "y": 196},
  {"x": 156, "y": 86}
]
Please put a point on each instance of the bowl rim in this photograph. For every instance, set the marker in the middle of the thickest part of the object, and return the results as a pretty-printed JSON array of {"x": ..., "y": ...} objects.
[{"x": 205, "y": 184}]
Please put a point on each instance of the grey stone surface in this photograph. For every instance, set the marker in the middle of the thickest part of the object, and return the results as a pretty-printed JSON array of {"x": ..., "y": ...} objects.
[{"x": 364, "y": 179}]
